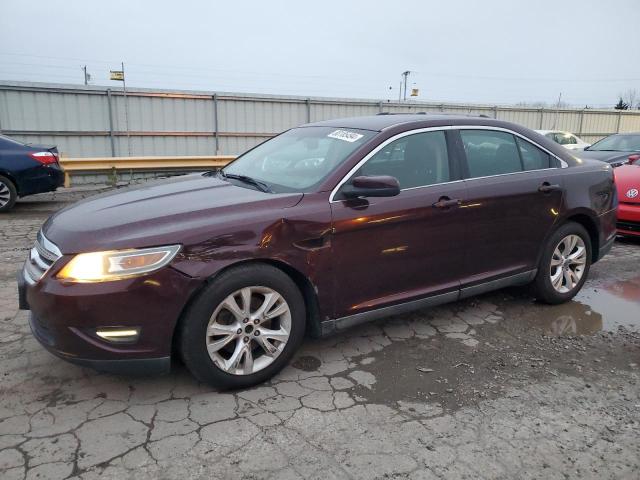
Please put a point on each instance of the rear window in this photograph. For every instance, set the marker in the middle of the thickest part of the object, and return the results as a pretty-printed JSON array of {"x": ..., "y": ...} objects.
[
  {"x": 490, "y": 152},
  {"x": 10, "y": 141},
  {"x": 533, "y": 158}
]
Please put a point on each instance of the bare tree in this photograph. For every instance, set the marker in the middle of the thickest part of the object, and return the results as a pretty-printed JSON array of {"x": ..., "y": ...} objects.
[
  {"x": 621, "y": 105},
  {"x": 630, "y": 97}
]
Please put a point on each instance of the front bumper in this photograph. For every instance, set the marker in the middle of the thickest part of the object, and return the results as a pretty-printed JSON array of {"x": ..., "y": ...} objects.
[
  {"x": 64, "y": 318},
  {"x": 628, "y": 222},
  {"x": 135, "y": 366}
]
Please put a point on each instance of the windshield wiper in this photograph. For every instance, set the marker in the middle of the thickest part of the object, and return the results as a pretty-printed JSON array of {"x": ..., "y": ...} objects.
[{"x": 263, "y": 187}]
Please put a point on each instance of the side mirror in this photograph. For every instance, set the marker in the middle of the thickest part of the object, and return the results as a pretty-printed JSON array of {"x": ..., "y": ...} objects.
[
  {"x": 372, "y": 186},
  {"x": 634, "y": 159}
]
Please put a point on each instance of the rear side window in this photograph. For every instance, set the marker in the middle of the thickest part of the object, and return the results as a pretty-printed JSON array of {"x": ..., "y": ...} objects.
[
  {"x": 490, "y": 152},
  {"x": 415, "y": 160},
  {"x": 532, "y": 157}
]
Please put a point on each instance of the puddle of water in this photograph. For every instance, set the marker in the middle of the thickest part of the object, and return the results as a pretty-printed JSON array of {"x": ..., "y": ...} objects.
[
  {"x": 594, "y": 309},
  {"x": 618, "y": 304}
]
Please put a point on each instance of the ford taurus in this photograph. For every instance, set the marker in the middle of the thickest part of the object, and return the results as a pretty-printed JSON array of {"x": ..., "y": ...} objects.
[{"x": 318, "y": 229}]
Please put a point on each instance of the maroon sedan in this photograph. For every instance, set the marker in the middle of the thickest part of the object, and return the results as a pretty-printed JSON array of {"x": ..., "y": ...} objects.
[{"x": 323, "y": 227}]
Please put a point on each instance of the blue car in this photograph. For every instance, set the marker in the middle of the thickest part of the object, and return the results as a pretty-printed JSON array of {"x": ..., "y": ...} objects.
[{"x": 26, "y": 169}]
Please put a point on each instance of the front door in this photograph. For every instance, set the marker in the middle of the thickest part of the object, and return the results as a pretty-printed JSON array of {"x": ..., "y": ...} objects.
[
  {"x": 396, "y": 249},
  {"x": 514, "y": 194}
]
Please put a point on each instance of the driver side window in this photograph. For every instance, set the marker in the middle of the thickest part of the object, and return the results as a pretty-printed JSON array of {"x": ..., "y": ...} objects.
[{"x": 415, "y": 160}]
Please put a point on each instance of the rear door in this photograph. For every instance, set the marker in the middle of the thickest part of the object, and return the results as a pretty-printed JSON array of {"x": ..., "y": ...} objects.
[
  {"x": 514, "y": 193},
  {"x": 395, "y": 249}
]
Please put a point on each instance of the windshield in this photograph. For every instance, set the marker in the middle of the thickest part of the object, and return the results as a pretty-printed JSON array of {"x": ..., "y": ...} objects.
[
  {"x": 618, "y": 143},
  {"x": 299, "y": 159}
]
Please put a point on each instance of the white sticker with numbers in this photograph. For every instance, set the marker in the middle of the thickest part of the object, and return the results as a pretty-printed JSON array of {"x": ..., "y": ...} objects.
[{"x": 345, "y": 135}]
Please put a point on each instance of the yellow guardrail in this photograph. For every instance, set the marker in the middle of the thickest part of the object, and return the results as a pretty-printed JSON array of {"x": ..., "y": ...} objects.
[{"x": 115, "y": 164}]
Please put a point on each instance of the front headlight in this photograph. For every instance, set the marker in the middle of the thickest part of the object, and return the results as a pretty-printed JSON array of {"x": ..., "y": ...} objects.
[{"x": 116, "y": 264}]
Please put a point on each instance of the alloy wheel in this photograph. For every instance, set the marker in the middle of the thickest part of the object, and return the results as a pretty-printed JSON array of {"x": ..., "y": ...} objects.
[
  {"x": 568, "y": 263},
  {"x": 5, "y": 194},
  {"x": 248, "y": 330}
]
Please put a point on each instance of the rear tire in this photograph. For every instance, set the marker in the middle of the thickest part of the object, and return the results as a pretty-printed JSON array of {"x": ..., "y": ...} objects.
[
  {"x": 8, "y": 194},
  {"x": 229, "y": 342},
  {"x": 564, "y": 265}
]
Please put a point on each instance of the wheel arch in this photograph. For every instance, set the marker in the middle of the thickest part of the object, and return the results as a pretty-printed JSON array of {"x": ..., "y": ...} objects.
[
  {"x": 591, "y": 226},
  {"x": 583, "y": 218},
  {"x": 13, "y": 180},
  {"x": 302, "y": 282}
]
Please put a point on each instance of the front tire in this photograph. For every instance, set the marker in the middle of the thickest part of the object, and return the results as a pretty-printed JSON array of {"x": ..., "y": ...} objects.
[
  {"x": 243, "y": 328},
  {"x": 8, "y": 194},
  {"x": 564, "y": 265}
]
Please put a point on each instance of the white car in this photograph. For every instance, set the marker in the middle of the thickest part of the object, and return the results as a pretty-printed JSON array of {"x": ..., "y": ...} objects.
[{"x": 566, "y": 139}]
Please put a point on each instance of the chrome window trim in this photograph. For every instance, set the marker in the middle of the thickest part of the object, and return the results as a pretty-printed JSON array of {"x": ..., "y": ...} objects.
[
  {"x": 512, "y": 173},
  {"x": 380, "y": 147},
  {"x": 563, "y": 164},
  {"x": 368, "y": 156}
]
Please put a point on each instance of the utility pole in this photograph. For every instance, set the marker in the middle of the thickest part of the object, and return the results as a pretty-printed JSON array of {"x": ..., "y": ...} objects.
[
  {"x": 126, "y": 109},
  {"x": 555, "y": 120},
  {"x": 405, "y": 75},
  {"x": 87, "y": 76}
]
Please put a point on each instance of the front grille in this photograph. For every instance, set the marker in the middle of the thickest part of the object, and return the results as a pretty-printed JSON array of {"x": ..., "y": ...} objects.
[
  {"x": 629, "y": 226},
  {"x": 41, "y": 258}
]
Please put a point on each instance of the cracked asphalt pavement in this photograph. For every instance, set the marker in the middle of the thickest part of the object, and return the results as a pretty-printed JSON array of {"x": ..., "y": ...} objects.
[{"x": 491, "y": 387}]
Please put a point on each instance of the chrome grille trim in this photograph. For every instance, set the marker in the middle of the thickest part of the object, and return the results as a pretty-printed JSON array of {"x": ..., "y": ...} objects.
[
  {"x": 49, "y": 247},
  {"x": 41, "y": 258},
  {"x": 35, "y": 256}
]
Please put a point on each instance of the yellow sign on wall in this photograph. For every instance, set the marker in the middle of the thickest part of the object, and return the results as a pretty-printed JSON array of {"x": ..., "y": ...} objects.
[{"x": 117, "y": 75}]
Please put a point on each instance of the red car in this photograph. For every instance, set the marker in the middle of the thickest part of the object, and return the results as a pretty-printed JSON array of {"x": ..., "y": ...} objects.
[{"x": 628, "y": 182}]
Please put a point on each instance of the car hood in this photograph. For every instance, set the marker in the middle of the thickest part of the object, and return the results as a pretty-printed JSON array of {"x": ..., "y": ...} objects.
[
  {"x": 628, "y": 183},
  {"x": 602, "y": 155},
  {"x": 178, "y": 210}
]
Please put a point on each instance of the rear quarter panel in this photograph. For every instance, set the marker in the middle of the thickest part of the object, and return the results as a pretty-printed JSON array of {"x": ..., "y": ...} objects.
[{"x": 590, "y": 191}]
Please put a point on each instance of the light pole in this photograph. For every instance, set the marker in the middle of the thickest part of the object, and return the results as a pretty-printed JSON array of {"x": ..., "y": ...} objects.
[
  {"x": 126, "y": 109},
  {"x": 87, "y": 76},
  {"x": 405, "y": 74}
]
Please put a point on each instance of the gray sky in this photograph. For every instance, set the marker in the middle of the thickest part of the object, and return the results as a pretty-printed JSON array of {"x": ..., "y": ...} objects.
[{"x": 491, "y": 51}]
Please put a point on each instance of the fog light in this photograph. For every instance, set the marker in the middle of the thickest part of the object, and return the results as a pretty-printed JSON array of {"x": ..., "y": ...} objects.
[{"x": 119, "y": 335}]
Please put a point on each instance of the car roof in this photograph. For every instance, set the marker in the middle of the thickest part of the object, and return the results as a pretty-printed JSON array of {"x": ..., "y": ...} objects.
[
  {"x": 383, "y": 121},
  {"x": 544, "y": 132},
  {"x": 398, "y": 123}
]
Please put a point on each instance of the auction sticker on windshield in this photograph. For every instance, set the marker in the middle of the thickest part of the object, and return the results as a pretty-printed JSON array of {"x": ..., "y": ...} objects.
[{"x": 345, "y": 135}]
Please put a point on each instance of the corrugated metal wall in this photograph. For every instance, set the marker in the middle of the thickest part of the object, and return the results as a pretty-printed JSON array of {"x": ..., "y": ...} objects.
[{"x": 91, "y": 121}]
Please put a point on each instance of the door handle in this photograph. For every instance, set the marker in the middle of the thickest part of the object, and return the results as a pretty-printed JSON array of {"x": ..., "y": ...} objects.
[
  {"x": 546, "y": 187},
  {"x": 446, "y": 202}
]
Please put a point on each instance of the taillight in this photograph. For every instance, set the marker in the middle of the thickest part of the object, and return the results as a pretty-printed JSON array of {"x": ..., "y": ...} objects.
[
  {"x": 45, "y": 158},
  {"x": 634, "y": 158}
]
